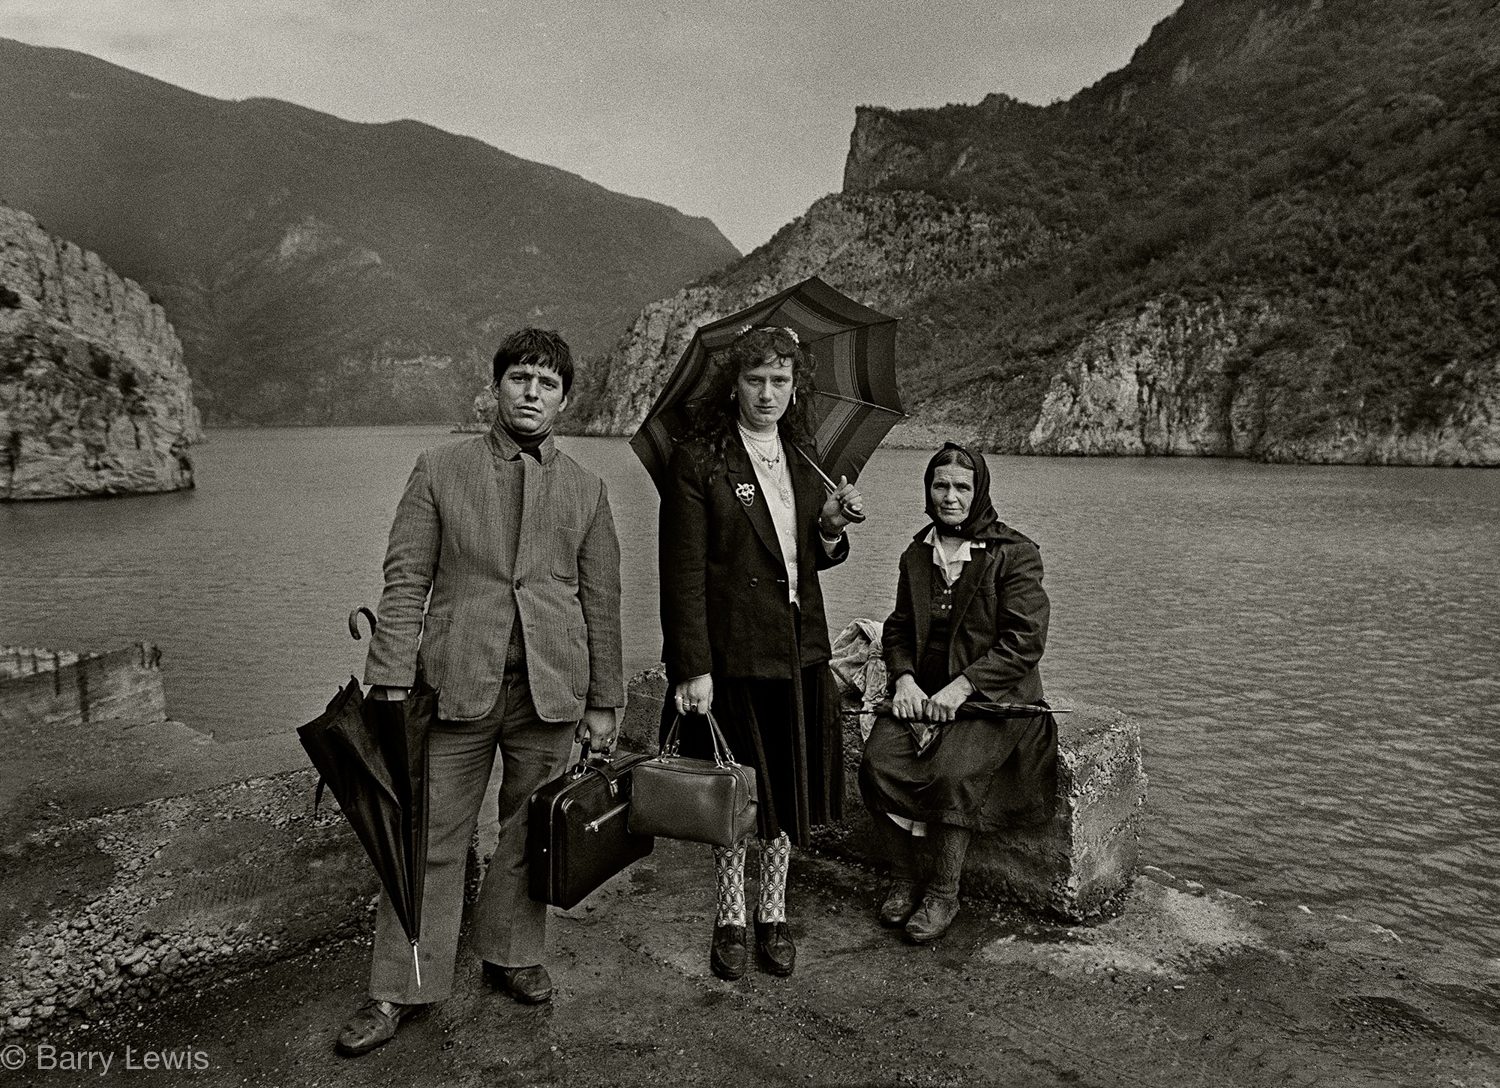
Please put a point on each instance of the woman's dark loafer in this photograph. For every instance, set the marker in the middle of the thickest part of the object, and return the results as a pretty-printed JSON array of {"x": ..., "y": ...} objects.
[
  {"x": 900, "y": 903},
  {"x": 528, "y": 985},
  {"x": 373, "y": 1025},
  {"x": 727, "y": 958},
  {"x": 932, "y": 919},
  {"x": 773, "y": 940}
]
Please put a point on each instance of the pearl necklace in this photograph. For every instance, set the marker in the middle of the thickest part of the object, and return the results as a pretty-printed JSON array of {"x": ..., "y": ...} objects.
[
  {"x": 773, "y": 462},
  {"x": 758, "y": 445}
]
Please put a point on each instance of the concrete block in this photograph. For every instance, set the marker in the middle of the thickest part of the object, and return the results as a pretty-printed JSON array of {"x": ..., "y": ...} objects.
[
  {"x": 642, "y": 721},
  {"x": 1086, "y": 855},
  {"x": 58, "y": 688},
  {"x": 1089, "y": 852}
]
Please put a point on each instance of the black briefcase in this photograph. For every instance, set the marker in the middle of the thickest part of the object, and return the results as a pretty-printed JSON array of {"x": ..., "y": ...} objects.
[{"x": 576, "y": 834}]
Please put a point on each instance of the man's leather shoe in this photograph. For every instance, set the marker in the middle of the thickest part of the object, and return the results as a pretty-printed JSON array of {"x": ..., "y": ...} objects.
[
  {"x": 900, "y": 903},
  {"x": 373, "y": 1025},
  {"x": 727, "y": 957},
  {"x": 932, "y": 919},
  {"x": 528, "y": 985},
  {"x": 773, "y": 940}
]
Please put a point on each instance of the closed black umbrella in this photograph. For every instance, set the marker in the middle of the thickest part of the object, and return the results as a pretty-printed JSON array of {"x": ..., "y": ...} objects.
[{"x": 372, "y": 754}]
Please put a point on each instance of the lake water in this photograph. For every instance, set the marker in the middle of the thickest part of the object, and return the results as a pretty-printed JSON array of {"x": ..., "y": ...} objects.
[{"x": 1312, "y": 651}]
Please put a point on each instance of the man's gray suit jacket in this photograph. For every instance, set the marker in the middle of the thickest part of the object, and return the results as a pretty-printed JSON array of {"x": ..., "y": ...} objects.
[{"x": 461, "y": 568}]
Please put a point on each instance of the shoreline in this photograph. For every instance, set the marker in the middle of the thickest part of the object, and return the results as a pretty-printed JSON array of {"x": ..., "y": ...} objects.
[{"x": 929, "y": 437}]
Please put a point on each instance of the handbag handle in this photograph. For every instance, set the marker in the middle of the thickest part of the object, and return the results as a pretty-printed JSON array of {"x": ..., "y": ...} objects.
[{"x": 670, "y": 743}]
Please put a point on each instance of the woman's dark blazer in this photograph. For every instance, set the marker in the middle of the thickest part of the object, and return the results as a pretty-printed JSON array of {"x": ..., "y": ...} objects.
[
  {"x": 724, "y": 607},
  {"x": 999, "y": 625}
]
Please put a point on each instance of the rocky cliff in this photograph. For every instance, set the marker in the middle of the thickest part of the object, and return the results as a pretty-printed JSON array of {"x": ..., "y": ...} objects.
[
  {"x": 1209, "y": 379},
  {"x": 1274, "y": 234},
  {"x": 886, "y": 249},
  {"x": 94, "y": 397}
]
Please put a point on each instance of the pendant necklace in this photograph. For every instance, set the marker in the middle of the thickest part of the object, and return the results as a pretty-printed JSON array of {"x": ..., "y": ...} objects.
[{"x": 773, "y": 463}]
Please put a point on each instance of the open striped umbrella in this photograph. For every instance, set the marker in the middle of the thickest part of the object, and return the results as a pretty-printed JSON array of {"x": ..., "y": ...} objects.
[{"x": 852, "y": 349}]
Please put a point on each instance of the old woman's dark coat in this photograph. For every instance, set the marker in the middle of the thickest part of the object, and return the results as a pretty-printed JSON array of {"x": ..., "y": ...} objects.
[{"x": 983, "y": 773}]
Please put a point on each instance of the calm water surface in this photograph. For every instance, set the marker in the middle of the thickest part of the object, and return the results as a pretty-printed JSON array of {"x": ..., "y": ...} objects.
[{"x": 1312, "y": 651}]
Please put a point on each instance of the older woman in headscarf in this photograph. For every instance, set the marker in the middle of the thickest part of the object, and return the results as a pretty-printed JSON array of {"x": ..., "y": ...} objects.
[
  {"x": 969, "y": 628},
  {"x": 746, "y": 527}
]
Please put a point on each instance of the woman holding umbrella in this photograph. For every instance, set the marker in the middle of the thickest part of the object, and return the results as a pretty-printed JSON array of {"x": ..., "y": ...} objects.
[
  {"x": 746, "y": 525},
  {"x": 969, "y": 627}
]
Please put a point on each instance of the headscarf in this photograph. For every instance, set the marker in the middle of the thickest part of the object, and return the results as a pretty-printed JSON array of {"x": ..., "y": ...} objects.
[{"x": 982, "y": 523}]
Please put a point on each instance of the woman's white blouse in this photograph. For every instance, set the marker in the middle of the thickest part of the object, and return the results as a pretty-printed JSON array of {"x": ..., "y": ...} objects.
[
  {"x": 783, "y": 516},
  {"x": 949, "y": 554}
]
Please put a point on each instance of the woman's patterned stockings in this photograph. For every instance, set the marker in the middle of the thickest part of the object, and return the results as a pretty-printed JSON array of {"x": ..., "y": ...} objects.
[
  {"x": 775, "y": 859},
  {"x": 729, "y": 872}
]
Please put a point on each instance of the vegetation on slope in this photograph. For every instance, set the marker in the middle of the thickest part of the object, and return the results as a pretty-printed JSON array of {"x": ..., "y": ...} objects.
[{"x": 1337, "y": 159}]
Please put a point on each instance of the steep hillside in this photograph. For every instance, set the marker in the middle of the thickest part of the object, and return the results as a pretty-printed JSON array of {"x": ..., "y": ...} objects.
[
  {"x": 94, "y": 399},
  {"x": 886, "y": 249},
  {"x": 320, "y": 270},
  {"x": 1275, "y": 235}
]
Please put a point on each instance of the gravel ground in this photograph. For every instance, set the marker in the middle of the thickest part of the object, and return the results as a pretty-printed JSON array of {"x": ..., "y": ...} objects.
[{"x": 1185, "y": 986}]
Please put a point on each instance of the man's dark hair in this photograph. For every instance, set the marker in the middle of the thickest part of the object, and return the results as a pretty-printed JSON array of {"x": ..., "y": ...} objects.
[{"x": 542, "y": 347}]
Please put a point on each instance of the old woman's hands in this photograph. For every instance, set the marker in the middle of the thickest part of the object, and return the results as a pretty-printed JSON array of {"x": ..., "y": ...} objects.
[
  {"x": 909, "y": 699},
  {"x": 943, "y": 707},
  {"x": 845, "y": 505}
]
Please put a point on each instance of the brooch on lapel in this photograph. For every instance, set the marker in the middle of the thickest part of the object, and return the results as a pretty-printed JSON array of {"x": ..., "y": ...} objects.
[{"x": 745, "y": 493}]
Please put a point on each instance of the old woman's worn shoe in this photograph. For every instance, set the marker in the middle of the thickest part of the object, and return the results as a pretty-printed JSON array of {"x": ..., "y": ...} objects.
[
  {"x": 932, "y": 918},
  {"x": 900, "y": 902},
  {"x": 373, "y": 1025}
]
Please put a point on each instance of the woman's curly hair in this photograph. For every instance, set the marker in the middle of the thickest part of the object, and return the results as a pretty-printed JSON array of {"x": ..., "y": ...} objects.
[{"x": 715, "y": 414}]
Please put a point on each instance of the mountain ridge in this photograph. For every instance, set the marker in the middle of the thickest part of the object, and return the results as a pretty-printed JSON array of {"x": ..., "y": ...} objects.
[{"x": 299, "y": 253}]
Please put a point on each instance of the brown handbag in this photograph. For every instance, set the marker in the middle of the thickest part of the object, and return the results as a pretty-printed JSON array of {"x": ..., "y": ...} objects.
[{"x": 700, "y": 800}]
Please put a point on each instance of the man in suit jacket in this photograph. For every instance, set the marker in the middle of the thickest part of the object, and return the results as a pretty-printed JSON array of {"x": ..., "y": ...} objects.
[{"x": 502, "y": 591}]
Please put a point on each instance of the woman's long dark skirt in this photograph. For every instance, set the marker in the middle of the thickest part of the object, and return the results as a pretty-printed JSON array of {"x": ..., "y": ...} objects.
[
  {"x": 984, "y": 774},
  {"x": 798, "y": 758}
]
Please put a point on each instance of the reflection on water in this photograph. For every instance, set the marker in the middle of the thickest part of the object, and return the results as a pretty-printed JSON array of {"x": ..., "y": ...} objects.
[{"x": 1311, "y": 651}]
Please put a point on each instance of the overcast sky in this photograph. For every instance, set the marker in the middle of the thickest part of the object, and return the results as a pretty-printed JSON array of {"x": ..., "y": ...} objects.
[{"x": 739, "y": 111}]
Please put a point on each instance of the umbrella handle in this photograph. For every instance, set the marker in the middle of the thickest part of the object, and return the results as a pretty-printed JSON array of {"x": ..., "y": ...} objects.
[
  {"x": 830, "y": 485},
  {"x": 354, "y": 621}
]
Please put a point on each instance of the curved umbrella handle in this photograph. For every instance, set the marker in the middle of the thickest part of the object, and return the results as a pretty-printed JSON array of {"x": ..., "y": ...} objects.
[
  {"x": 354, "y": 621},
  {"x": 852, "y": 515}
]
